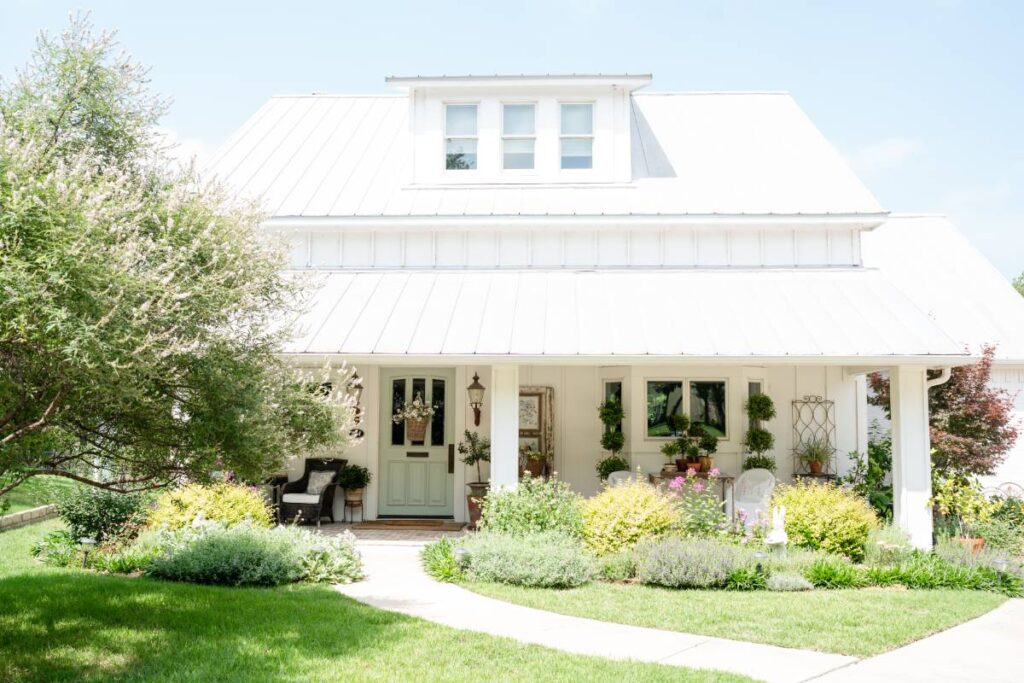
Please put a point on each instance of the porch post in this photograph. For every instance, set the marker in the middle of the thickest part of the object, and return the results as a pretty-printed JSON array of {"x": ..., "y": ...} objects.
[
  {"x": 911, "y": 454},
  {"x": 504, "y": 426}
]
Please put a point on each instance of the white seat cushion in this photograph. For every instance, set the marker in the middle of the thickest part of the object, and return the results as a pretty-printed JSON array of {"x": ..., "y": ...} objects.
[{"x": 300, "y": 498}]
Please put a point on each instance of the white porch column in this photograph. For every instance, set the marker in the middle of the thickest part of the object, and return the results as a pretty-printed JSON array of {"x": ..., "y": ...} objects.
[
  {"x": 504, "y": 426},
  {"x": 911, "y": 454}
]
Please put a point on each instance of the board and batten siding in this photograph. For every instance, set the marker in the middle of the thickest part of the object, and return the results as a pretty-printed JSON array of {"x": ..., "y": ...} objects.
[{"x": 619, "y": 247}]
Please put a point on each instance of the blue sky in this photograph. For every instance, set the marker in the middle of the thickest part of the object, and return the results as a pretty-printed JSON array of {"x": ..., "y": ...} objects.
[{"x": 925, "y": 98}]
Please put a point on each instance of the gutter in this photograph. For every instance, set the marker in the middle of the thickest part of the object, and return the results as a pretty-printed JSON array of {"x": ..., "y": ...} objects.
[{"x": 944, "y": 374}]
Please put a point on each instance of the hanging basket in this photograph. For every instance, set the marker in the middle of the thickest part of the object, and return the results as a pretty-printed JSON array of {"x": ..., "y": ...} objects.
[{"x": 416, "y": 429}]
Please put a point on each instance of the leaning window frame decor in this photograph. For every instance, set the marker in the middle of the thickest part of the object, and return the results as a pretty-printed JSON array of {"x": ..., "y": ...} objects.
[
  {"x": 564, "y": 137},
  {"x": 516, "y": 137},
  {"x": 461, "y": 137}
]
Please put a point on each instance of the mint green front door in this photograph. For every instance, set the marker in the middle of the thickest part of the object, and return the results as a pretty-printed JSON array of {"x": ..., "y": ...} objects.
[{"x": 417, "y": 477}]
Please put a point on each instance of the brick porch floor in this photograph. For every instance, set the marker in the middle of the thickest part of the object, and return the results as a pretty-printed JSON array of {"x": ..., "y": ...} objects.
[{"x": 389, "y": 536}]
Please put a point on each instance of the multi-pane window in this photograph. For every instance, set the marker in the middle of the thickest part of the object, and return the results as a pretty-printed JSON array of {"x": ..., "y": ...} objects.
[
  {"x": 664, "y": 399},
  {"x": 460, "y": 137},
  {"x": 577, "y": 136},
  {"x": 517, "y": 136},
  {"x": 707, "y": 406}
]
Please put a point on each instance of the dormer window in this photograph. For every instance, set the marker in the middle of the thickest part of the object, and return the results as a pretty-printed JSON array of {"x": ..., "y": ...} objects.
[
  {"x": 518, "y": 131},
  {"x": 460, "y": 137},
  {"x": 577, "y": 135}
]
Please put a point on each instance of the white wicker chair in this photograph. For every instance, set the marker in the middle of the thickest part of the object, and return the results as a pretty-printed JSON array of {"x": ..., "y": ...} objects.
[
  {"x": 754, "y": 493},
  {"x": 620, "y": 477}
]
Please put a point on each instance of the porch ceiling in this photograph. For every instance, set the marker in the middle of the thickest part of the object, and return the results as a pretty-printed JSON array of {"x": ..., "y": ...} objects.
[{"x": 786, "y": 314}]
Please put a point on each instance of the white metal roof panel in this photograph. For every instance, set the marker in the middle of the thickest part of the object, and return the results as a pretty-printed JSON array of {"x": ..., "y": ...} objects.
[
  {"x": 535, "y": 313},
  {"x": 693, "y": 153},
  {"x": 948, "y": 278}
]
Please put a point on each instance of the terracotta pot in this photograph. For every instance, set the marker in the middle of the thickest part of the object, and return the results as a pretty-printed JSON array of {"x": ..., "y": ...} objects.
[
  {"x": 477, "y": 492},
  {"x": 416, "y": 430},
  {"x": 706, "y": 463},
  {"x": 975, "y": 545},
  {"x": 693, "y": 465},
  {"x": 535, "y": 467},
  {"x": 814, "y": 466},
  {"x": 681, "y": 465},
  {"x": 354, "y": 495}
]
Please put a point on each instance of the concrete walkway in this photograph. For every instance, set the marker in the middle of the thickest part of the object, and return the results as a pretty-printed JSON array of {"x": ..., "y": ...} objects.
[
  {"x": 396, "y": 582},
  {"x": 989, "y": 648}
]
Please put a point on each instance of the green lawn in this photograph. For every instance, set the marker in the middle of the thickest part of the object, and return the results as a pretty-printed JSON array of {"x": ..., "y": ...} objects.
[
  {"x": 37, "y": 491},
  {"x": 852, "y": 622},
  {"x": 58, "y": 624}
]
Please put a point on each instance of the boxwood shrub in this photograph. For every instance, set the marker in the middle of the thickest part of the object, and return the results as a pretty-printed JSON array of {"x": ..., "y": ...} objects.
[{"x": 823, "y": 516}]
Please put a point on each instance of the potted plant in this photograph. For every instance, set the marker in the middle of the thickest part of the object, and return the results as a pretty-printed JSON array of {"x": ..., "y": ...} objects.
[
  {"x": 679, "y": 424},
  {"x": 694, "y": 435},
  {"x": 671, "y": 451},
  {"x": 354, "y": 479},
  {"x": 475, "y": 450},
  {"x": 816, "y": 454},
  {"x": 758, "y": 440},
  {"x": 534, "y": 462},
  {"x": 612, "y": 440},
  {"x": 708, "y": 445},
  {"x": 416, "y": 416}
]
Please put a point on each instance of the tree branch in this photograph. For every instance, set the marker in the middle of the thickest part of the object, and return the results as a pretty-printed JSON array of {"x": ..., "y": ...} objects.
[{"x": 38, "y": 424}]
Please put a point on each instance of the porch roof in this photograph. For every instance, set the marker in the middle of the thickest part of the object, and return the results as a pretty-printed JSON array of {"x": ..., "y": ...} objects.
[{"x": 786, "y": 314}]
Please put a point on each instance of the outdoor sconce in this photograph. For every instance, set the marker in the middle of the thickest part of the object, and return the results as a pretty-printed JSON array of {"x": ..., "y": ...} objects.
[{"x": 476, "y": 398}]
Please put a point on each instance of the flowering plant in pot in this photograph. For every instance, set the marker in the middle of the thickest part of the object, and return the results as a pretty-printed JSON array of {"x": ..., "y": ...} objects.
[
  {"x": 475, "y": 450},
  {"x": 416, "y": 415},
  {"x": 354, "y": 479}
]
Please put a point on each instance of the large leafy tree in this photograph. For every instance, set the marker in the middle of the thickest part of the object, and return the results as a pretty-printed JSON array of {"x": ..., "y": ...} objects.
[
  {"x": 971, "y": 423},
  {"x": 139, "y": 305}
]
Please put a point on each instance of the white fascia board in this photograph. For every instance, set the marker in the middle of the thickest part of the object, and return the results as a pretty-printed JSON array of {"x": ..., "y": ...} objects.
[
  {"x": 872, "y": 362},
  {"x": 863, "y": 221}
]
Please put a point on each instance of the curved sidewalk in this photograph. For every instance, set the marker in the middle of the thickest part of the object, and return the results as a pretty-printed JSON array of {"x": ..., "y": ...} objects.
[{"x": 396, "y": 582}]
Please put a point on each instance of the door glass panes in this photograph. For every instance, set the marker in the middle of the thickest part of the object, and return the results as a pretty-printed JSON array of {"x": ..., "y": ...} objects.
[
  {"x": 397, "y": 401},
  {"x": 613, "y": 390},
  {"x": 753, "y": 389},
  {"x": 707, "y": 406},
  {"x": 437, "y": 421},
  {"x": 664, "y": 398}
]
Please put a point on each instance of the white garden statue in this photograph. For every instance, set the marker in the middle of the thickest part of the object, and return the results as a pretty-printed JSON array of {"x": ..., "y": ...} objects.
[{"x": 777, "y": 537}]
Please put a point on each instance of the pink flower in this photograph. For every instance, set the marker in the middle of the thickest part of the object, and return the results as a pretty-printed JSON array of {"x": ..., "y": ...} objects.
[
  {"x": 676, "y": 484},
  {"x": 690, "y": 472},
  {"x": 715, "y": 472},
  {"x": 698, "y": 487}
]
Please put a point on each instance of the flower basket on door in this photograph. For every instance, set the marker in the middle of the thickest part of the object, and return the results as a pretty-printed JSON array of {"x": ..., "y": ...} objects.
[{"x": 416, "y": 416}]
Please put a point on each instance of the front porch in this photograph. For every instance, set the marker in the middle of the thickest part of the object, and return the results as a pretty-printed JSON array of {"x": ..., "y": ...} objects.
[{"x": 425, "y": 478}]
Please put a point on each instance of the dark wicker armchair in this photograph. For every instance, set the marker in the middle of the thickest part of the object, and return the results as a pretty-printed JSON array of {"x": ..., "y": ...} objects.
[{"x": 308, "y": 507}]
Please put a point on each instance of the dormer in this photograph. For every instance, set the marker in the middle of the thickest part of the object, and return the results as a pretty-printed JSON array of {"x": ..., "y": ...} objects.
[{"x": 529, "y": 130}]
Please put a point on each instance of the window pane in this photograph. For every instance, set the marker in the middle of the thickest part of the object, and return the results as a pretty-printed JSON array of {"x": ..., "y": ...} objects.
[
  {"x": 460, "y": 119},
  {"x": 707, "y": 406},
  {"x": 397, "y": 401},
  {"x": 663, "y": 399},
  {"x": 613, "y": 391},
  {"x": 437, "y": 421},
  {"x": 419, "y": 390},
  {"x": 577, "y": 119},
  {"x": 518, "y": 153},
  {"x": 576, "y": 153},
  {"x": 517, "y": 119},
  {"x": 460, "y": 155}
]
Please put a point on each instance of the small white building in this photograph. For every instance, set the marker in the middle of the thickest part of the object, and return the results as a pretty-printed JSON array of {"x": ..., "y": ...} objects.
[{"x": 569, "y": 238}]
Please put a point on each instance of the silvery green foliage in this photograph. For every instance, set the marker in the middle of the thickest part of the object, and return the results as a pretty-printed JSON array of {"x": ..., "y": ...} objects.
[
  {"x": 144, "y": 308},
  {"x": 687, "y": 563},
  {"x": 543, "y": 560},
  {"x": 788, "y": 582}
]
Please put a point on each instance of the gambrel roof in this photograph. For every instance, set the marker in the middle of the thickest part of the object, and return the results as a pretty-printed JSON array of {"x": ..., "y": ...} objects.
[{"x": 692, "y": 154}]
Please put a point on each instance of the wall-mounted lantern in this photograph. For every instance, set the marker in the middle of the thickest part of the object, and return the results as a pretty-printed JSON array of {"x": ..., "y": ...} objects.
[{"x": 476, "y": 398}]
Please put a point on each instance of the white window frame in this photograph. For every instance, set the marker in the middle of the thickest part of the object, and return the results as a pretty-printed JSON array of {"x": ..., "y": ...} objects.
[
  {"x": 686, "y": 403},
  {"x": 446, "y": 137},
  {"x": 563, "y": 136},
  {"x": 505, "y": 136}
]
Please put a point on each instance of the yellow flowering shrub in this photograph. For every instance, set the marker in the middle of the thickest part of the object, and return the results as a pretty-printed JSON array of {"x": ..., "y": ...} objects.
[
  {"x": 621, "y": 516},
  {"x": 222, "y": 502},
  {"x": 823, "y": 516}
]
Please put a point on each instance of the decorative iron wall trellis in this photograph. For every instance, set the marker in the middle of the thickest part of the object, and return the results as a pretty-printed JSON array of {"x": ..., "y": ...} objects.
[{"x": 813, "y": 421}]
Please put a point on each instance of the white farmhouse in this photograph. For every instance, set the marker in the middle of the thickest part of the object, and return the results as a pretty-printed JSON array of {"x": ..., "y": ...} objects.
[{"x": 569, "y": 238}]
